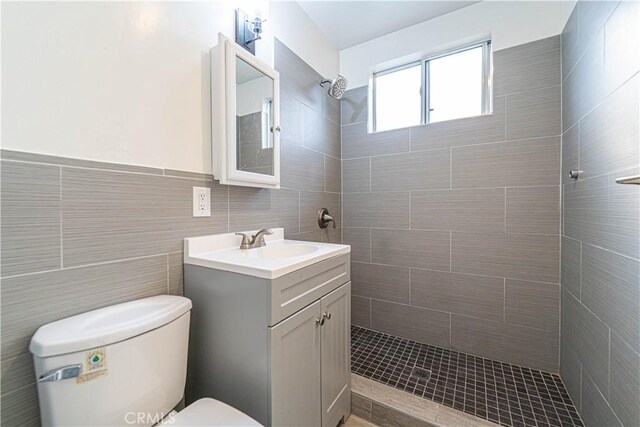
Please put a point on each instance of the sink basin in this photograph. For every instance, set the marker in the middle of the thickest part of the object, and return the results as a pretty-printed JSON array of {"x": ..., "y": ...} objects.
[
  {"x": 281, "y": 251},
  {"x": 277, "y": 258}
]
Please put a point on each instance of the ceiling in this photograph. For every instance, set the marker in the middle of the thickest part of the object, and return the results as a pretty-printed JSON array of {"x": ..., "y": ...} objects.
[
  {"x": 348, "y": 23},
  {"x": 245, "y": 72}
]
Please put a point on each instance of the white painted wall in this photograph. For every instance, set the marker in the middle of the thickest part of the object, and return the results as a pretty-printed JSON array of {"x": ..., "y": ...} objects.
[
  {"x": 127, "y": 82},
  {"x": 295, "y": 29},
  {"x": 509, "y": 23}
]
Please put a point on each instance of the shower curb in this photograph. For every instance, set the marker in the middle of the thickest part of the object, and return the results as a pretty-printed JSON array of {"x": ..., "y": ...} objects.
[{"x": 384, "y": 405}]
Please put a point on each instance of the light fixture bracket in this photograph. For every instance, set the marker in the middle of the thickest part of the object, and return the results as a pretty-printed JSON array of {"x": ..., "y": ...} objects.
[{"x": 248, "y": 30}]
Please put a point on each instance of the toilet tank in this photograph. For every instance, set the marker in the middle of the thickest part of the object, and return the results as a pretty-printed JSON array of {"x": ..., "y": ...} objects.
[{"x": 120, "y": 365}]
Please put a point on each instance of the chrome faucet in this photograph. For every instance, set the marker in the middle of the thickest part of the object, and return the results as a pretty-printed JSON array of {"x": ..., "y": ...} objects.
[{"x": 256, "y": 241}]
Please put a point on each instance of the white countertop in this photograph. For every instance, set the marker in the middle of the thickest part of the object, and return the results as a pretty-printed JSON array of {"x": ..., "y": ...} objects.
[{"x": 221, "y": 251}]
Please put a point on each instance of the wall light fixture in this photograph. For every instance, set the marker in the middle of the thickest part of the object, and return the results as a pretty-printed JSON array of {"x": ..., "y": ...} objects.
[{"x": 248, "y": 30}]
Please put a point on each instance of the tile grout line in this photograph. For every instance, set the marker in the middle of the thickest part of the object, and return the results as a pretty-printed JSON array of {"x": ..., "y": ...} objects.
[
  {"x": 443, "y": 189},
  {"x": 95, "y": 264},
  {"x": 104, "y": 169},
  {"x": 454, "y": 272},
  {"x": 324, "y": 173},
  {"x": 299, "y": 211},
  {"x": 370, "y": 245},
  {"x": 450, "y": 167},
  {"x": 450, "y": 328},
  {"x": 161, "y": 172},
  {"x": 580, "y": 273},
  {"x": 168, "y": 281},
  {"x": 370, "y": 175},
  {"x": 410, "y": 276},
  {"x": 455, "y": 147},
  {"x": 61, "y": 221},
  {"x": 410, "y": 207},
  {"x": 450, "y": 250},
  {"x": 505, "y": 210},
  {"x": 506, "y": 117},
  {"x": 609, "y": 365},
  {"x": 504, "y": 301}
]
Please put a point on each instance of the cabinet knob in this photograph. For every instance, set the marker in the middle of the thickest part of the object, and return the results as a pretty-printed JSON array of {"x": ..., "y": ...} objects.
[
  {"x": 320, "y": 321},
  {"x": 276, "y": 129},
  {"x": 327, "y": 315}
]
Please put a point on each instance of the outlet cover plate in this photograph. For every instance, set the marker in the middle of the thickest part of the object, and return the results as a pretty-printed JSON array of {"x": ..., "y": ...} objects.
[{"x": 201, "y": 201}]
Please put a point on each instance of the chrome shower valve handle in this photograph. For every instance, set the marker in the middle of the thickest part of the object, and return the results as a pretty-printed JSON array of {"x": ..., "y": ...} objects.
[{"x": 324, "y": 218}]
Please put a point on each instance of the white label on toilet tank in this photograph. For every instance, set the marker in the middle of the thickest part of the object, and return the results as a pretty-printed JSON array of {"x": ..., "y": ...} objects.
[{"x": 95, "y": 365}]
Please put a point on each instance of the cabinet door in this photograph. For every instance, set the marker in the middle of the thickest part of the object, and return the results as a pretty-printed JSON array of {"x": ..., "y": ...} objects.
[
  {"x": 336, "y": 355},
  {"x": 295, "y": 369},
  {"x": 245, "y": 117}
]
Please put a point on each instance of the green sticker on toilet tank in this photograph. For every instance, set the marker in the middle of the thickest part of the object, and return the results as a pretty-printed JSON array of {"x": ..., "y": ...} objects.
[
  {"x": 95, "y": 365},
  {"x": 96, "y": 359}
]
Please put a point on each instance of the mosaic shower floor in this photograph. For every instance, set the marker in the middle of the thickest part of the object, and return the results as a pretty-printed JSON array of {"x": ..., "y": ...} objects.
[{"x": 506, "y": 394}]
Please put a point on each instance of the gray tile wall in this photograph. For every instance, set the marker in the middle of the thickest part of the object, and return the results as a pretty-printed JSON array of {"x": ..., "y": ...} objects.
[
  {"x": 454, "y": 226},
  {"x": 79, "y": 235},
  {"x": 600, "y": 348},
  {"x": 251, "y": 156}
]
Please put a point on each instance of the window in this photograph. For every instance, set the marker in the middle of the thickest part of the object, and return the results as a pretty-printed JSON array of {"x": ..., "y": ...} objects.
[
  {"x": 456, "y": 84},
  {"x": 267, "y": 120},
  {"x": 398, "y": 98}
]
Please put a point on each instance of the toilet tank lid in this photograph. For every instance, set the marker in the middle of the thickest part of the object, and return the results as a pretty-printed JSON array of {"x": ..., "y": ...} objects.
[{"x": 107, "y": 325}]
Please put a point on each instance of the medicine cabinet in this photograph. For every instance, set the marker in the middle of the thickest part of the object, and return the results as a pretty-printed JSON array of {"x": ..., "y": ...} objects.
[{"x": 245, "y": 106}]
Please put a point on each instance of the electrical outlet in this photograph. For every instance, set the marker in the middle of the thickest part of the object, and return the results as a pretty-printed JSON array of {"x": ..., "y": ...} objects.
[{"x": 201, "y": 201}]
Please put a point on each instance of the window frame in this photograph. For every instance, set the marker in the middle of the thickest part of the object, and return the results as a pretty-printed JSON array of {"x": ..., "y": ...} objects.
[
  {"x": 425, "y": 106},
  {"x": 393, "y": 70}
]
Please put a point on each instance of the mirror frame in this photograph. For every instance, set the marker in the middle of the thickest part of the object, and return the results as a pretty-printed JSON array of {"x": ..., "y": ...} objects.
[{"x": 223, "y": 109}]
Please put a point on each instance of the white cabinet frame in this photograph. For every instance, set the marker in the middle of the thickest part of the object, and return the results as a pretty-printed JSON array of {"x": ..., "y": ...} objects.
[{"x": 223, "y": 120}]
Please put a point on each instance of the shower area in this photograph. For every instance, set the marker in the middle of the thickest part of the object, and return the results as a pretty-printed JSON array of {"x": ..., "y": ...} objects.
[{"x": 496, "y": 259}]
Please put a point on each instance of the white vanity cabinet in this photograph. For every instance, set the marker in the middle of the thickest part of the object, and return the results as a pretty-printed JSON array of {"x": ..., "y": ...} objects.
[{"x": 276, "y": 349}]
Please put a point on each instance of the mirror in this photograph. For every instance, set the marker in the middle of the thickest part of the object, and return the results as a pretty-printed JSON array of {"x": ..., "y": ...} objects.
[{"x": 254, "y": 120}]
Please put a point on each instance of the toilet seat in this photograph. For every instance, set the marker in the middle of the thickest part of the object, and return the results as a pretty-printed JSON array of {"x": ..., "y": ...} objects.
[{"x": 210, "y": 412}]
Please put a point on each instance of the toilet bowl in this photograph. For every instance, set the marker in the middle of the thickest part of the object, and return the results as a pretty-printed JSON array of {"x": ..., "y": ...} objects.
[
  {"x": 209, "y": 412},
  {"x": 122, "y": 365}
]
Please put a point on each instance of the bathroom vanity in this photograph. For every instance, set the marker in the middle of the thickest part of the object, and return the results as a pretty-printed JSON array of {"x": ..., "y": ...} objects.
[{"x": 270, "y": 331}]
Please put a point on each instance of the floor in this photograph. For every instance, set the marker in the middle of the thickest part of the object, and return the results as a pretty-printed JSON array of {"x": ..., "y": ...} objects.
[
  {"x": 356, "y": 421},
  {"x": 505, "y": 394}
]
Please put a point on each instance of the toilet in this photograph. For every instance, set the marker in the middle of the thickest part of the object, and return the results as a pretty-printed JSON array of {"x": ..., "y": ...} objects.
[{"x": 122, "y": 365}]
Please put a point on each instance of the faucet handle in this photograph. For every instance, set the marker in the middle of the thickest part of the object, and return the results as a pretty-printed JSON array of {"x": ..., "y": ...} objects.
[
  {"x": 324, "y": 218},
  {"x": 246, "y": 240},
  {"x": 258, "y": 239}
]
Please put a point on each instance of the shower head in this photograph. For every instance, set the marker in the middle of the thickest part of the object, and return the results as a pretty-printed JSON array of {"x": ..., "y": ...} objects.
[{"x": 336, "y": 87}]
